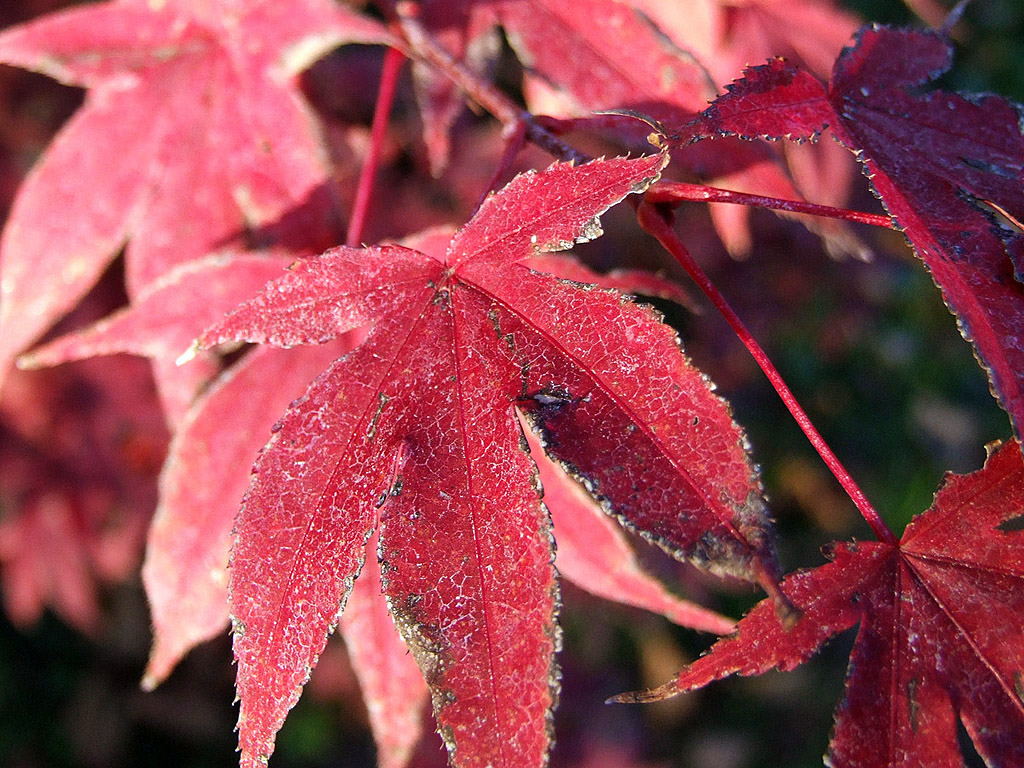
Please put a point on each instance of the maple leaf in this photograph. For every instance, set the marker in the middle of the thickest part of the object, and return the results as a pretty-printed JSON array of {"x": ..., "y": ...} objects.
[
  {"x": 940, "y": 630},
  {"x": 185, "y": 572},
  {"x": 199, "y": 104},
  {"x": 207, "y": 472},
  {"x": 419, "y": 422},
  {"x": 607, "y": 65},
  {"x": 947, "y": 167},
  {"x": 204, "y": 478}
]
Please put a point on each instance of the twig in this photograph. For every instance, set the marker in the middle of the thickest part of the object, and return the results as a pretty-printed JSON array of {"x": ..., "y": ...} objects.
[{"x": 423, "y": 46}]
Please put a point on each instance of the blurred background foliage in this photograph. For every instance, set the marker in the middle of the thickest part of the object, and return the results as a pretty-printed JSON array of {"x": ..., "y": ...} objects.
[{"x": 868, "y": 348}]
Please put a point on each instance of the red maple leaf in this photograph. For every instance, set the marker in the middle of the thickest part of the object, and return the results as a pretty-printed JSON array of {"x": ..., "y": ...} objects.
[
  {"x": 947, "y": 167},
  {"x": 417, "y": 425},
  {"x": 198, "y": 103},
  {"x": 205, "y": 477},
  {"x": 940, "y": 617},
  {"x": 207, "y": 473}
]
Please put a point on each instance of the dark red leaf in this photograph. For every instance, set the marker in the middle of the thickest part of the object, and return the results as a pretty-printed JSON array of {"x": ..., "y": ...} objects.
[
  {"x": 940, "y": 625},
  {"x": 419, "y": 422},
  {"x": 594, "y": 555},
  {"x": 947, "y": 167}
]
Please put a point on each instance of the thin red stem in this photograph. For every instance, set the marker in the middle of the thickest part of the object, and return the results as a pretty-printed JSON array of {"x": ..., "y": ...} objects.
[
  {"x": 393, "y": 59},
  {"x": 659, "y": 224},
  {"x": 676, "y": 191}
]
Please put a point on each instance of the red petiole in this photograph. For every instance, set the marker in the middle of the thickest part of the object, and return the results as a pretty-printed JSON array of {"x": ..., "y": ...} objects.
[
  {"x": 658, "y": 223},
  {"x": 393, "y": 59},
  {"x": 677, "y": 192}
]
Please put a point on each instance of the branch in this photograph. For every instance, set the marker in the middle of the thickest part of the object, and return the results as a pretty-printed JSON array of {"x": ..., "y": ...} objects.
[
  {"x": 393, "y": 59},
  {"x": 423, "y": 46}
]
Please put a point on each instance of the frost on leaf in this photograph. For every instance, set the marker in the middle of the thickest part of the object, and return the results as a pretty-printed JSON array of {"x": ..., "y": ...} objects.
[
  {"x": 940, "y": 618},
  {"x": 947, "y": 167},
  {"x": 204, "y": 478},
  {"x": 417, "y": 426}
]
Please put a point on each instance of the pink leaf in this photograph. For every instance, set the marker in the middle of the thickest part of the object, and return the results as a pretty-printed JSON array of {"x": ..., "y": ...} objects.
[
  {"x": 199, "y": 105},
  {"x": 201, "y": 488}
]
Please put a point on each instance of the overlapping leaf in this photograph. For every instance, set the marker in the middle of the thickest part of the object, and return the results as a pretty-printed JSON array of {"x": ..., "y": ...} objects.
[
  {"x": 165, "y": 317},
  {"x": 940, "y": 618},
  {"x": 203, "y": 481},
  {"x": 593, "y": 552},
  {"x": 417, "y": 425},
  {"x": 947, "y": 167},
  {"x": 595, "y": 66},
  {"x": 727, "y": 35},
  {"x": 192, "y": 131}
]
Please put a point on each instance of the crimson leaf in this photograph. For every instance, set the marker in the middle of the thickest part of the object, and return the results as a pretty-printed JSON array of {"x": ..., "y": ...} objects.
[
  {"x": 947, "y": 167},
  {"x": 418, "y": 425},
  {"x": 940, "y": 619}
]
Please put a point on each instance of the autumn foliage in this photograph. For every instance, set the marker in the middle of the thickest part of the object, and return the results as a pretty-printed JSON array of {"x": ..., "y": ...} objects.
[{"x": 413, "y": 441}]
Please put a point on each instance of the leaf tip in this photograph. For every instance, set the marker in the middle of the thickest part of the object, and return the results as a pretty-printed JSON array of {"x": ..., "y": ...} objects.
[
  {"x": 28, "y": 362},
  {"x": 662, "y": 692},
  {"x": 149, "y": 682},
  {"x": 189, "y": 354}
]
